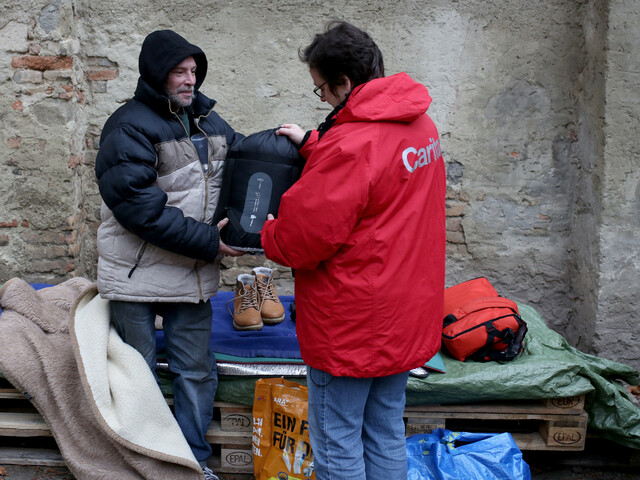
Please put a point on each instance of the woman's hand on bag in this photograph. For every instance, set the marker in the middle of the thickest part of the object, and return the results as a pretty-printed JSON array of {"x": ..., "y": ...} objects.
[
  {"x": 291, "y": 130},
  {"x": 223, "y": 247}
]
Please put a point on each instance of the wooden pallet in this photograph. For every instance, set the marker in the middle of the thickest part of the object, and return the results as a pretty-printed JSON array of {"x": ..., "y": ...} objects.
[
  {"x": 19, "y": 423},
  {"x": 23, "y": 429},
  {"x": 554, "y": 424},
  {"x": 551, "y": 424}
]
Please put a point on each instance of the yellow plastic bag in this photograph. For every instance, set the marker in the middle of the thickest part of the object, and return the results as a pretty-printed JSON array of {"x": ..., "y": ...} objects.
[{"x": 281, "y": 446}]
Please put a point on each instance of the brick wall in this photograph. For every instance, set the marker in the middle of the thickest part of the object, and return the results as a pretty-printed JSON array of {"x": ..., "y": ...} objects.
[{"x": 42, "y": 224}]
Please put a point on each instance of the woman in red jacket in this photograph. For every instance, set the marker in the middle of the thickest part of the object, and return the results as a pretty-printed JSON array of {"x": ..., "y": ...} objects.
[{"x": 364, "y": 227}]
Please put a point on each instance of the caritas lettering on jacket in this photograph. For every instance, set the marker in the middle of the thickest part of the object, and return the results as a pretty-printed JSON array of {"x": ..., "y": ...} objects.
[{"x": 364, "y": 227}]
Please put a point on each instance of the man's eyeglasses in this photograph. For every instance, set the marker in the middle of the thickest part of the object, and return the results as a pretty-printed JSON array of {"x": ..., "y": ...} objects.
[{"x": 317, "y": 90}]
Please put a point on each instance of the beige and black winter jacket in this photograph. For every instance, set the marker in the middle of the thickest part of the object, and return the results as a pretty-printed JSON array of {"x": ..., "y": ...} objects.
[{"x": 157, "y": 240}]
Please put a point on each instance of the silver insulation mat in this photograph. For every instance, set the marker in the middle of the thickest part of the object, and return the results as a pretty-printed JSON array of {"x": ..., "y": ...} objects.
[
  {"x": 273, "y": 369},
  {"x": 255, "y": 369}
]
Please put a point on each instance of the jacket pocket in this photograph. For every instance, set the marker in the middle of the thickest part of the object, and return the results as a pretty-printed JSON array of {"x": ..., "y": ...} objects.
[{"x": 139, "y": 254}]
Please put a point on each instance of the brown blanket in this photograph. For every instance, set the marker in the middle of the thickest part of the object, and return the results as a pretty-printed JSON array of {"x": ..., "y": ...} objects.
[{"x": 88, "y": 407}]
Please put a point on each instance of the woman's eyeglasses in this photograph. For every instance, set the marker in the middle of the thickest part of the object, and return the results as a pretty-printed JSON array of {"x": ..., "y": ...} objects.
[{"x": 317, "y": 90}]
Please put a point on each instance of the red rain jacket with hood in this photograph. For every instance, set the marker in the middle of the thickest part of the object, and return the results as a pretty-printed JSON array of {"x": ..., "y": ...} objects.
[{"x": 364, "y": 227}]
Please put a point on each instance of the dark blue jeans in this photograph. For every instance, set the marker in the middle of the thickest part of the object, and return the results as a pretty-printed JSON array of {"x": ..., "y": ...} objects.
[{"x": 187, "y": 330}]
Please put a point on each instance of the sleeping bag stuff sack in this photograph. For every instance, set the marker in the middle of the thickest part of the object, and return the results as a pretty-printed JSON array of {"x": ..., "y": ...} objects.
[
  {"x": 481, "y": 325},
  {"x": 258, "y": 170}
]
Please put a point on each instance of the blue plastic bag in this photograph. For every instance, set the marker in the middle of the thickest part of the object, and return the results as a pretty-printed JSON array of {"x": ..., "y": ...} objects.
[{"x": 446, "y": 455}]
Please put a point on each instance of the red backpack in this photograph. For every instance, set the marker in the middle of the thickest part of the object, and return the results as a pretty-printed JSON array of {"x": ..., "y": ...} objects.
[{"x": 479, "y": 324}]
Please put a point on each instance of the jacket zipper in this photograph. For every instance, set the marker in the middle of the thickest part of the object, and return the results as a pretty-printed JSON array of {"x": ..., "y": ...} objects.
[
  {"x": 141, "y": 250},
  {"x": 196, "y": 121},
  {"x": 206, "y": 177},
  {"x": 206, "y": 191}
]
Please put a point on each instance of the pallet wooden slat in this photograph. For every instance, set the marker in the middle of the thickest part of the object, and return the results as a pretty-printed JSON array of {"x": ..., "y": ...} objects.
[
  {"x": 567, "y": 404},
  {"x": 31, "y": 456},
  {"x": 534, "y": 442},
  {"x": 19, "y": 424},
  {"x": 471, "y": 415},
  {"x": 569, "y": 432},
  {"x": 235, "y": 417},
  {"x": 236, "y": 459},
  {"x": 563, "y": 406},
  {"x": 215, "y": 434},
  {"x": 11, "y": 394}
]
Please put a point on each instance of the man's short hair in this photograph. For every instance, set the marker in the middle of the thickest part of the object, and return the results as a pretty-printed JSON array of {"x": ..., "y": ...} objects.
[{"x": 344, "y": 49}]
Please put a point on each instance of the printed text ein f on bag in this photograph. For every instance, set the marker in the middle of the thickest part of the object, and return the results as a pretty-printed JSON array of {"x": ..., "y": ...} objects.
[{"x": 281, "y": 446}]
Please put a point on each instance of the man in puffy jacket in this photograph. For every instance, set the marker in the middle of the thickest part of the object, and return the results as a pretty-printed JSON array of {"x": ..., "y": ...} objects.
[{"x": 159, "y": 253}]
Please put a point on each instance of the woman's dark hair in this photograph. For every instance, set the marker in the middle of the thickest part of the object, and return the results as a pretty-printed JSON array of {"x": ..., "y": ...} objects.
[{"x": 344, "y": 50}]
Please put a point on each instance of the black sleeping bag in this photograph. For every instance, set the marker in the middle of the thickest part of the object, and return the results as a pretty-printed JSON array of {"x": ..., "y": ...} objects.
[{"x": 258, "y": 170}]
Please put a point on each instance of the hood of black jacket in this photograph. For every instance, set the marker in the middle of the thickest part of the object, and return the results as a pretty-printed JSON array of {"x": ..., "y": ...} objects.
[{"x": 161, "y": 51}]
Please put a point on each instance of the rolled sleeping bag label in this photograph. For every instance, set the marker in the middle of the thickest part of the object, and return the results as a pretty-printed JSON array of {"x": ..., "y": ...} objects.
[{"x": 256, "y": 205}]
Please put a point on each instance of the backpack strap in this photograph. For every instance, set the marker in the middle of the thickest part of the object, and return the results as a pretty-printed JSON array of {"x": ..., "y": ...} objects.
[
  {"x": 513, "y": 340},
  {"x": 448, "y": 320}
]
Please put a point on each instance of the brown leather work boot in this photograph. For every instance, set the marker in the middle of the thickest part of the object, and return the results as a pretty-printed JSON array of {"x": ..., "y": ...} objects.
[
  {"x": 271, "y": 310},
  {"x": 246, "y": 313}
]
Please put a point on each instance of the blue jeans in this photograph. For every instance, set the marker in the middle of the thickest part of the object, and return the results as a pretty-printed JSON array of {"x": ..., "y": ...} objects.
[
  {"x": 187, "y": 330},
  {"x": 356, "y": 427}
]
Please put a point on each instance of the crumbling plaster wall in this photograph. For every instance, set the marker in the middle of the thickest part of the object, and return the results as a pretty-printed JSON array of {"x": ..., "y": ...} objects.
[
  {"x": 537, "y": 137},
  {"x": 617, "y": 334},
  {"x": 584, "y": 240}
]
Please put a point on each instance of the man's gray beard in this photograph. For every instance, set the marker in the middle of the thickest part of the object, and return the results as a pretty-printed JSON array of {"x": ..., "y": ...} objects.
[{"x": 176, "y": 101}]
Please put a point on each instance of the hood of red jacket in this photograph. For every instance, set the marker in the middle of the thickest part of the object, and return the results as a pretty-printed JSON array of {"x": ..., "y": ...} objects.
[{"x": 397, "y": 98}]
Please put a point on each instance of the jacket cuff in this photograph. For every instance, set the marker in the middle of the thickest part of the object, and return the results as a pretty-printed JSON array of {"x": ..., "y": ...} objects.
[
  {"x": 214, "y": 246},
  {"x": 304, "y": 139}
]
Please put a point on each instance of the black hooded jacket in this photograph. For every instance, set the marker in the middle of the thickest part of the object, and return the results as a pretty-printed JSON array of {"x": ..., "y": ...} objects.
[{"x": 152, "y": 183}]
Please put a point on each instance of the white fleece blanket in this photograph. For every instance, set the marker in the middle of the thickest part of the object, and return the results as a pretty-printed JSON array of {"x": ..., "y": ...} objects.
[
  {"x": 127, "y": 399},
  {"x": 97, "y": 394}
]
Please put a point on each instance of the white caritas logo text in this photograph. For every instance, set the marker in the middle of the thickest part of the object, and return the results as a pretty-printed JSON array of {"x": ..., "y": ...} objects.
[{"x": 415, "y": 158}]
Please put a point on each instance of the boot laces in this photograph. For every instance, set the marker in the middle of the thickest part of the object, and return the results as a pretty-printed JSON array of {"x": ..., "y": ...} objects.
[
  {"x": 249, "y": 299},
  {"x": 267, "y": 290}
]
